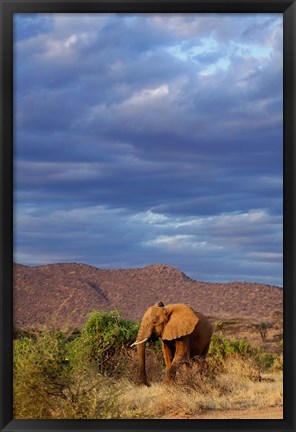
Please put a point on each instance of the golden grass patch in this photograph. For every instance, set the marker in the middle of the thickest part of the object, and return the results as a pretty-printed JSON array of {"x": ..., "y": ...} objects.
[{"x": 233, "y": 389}]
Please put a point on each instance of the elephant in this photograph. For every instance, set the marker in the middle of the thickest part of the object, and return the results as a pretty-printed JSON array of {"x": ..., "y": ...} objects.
[{"x": 184, "y": 333}]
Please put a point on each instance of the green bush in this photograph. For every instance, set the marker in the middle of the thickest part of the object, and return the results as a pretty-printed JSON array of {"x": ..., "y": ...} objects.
[
  {"x": 41, "y": 372},
  {"x": 222, "y": 348},
  {"x": 104, "y": 337},
  {"x": 57, "y": 376},
  {"x": 239, "y": 346},
  {"x": 265, "y": 360},
  {"x": 217, "y": 348}
]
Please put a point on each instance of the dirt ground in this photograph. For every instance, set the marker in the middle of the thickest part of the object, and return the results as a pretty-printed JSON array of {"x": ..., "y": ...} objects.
[{"x": 253, "y": 413}]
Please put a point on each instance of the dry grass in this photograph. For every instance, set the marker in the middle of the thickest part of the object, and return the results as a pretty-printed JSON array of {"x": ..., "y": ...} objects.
[
  {"x": 235, "y": 388},
  {"x": 213, "y": 387},
  {"x": 235, "y": 385},
  {"x": 52, "y": 379}
]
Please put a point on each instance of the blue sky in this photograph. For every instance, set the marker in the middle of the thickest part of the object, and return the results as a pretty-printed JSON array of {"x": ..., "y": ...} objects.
[{"x": 150, "y": 138}]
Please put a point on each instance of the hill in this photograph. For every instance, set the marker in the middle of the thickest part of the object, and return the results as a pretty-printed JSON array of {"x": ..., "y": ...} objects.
[{"x": 64, "y": 294}]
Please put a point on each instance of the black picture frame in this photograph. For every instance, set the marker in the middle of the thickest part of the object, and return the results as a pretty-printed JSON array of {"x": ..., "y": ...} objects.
[{"x": 7, "y": 9}]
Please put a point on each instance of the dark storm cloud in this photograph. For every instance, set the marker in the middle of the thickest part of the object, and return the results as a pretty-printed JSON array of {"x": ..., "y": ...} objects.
[{"x": 135, "y": 134}]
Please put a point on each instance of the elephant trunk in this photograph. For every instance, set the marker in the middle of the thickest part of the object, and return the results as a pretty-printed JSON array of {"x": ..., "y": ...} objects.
[
  {"x": 142, "y": 363},
  {"x": 141, "y": 356}
]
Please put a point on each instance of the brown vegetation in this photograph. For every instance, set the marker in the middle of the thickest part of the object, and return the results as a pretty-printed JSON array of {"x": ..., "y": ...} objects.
[
  {"x": 67, "y": 293},
  {"x": 73, "y": 374},
  {"x": 92, "y": 374}
]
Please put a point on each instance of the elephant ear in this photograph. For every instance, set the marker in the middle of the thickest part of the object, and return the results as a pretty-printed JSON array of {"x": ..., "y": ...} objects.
[{"x": 182, "y": 321}]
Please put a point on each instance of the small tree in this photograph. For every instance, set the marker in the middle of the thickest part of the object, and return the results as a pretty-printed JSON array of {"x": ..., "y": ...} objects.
[{"x": 262, "y": 328}]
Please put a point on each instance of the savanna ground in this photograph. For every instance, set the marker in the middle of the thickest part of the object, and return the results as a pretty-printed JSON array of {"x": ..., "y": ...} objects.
[{"x": 92, "y": 374}]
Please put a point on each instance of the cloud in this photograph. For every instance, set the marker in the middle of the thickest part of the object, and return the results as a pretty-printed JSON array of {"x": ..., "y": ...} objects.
[
  {"x": 128, "y": 125},
  {"x": 28, "y": 26},
  {"x": 231, "y": 242}
]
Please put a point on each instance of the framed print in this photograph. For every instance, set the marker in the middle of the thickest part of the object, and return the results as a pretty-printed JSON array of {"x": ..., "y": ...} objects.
[{"x": 147, "y": 215}]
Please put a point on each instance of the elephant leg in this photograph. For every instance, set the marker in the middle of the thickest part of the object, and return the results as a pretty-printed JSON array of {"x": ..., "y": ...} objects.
[
  {"x": 205, "y": 351},
  {"x": 167, "y": 354},
  {"x": 202, "y": 361},
  {"x": 181, "y": 356}
]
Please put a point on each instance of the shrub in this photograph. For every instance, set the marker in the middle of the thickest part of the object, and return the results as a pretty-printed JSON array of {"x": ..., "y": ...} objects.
[
  {"x": 264, "y": 360},
  {"x": 103, "y": 340},
  {"x": 41, "y": 372},
  {"x": 221, "y": 348},
  {"x": 47, "y": 384},
  {"x": 262, "y": 328},
  {"x": 58, "y": 375},
  {"x": 217, "y": 348},
  {"x": 239, "y": 346}
]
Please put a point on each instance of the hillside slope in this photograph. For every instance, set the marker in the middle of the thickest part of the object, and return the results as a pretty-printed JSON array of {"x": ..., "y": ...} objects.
[{"x": 64, "y": 294}]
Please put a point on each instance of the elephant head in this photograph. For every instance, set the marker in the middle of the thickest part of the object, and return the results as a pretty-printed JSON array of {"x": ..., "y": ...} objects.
[{"x": 166, "y": 322}]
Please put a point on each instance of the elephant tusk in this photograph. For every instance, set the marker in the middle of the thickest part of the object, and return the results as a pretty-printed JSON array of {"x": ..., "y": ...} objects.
[{"x": 140, "y": 342}]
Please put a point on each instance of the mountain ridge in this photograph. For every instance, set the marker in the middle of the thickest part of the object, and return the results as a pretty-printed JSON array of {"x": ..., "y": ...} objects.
[{"x": 64, "y": 294}]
